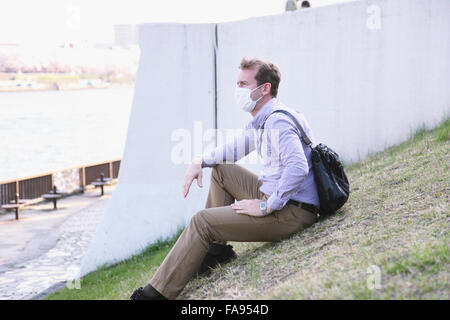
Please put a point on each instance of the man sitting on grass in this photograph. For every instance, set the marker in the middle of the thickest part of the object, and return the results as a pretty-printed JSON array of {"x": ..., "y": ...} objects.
[{"x": 278, "y": 203}]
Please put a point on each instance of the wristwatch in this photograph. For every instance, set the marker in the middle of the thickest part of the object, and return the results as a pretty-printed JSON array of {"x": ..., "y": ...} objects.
[{"x": 263, "y": 207}]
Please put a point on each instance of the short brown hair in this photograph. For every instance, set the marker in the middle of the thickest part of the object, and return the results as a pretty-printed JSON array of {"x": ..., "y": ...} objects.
[{"x": 267, "y": 72}]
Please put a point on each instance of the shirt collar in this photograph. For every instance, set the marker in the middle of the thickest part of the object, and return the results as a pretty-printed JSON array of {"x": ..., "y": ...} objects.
[{"x": 263, "y": 113}]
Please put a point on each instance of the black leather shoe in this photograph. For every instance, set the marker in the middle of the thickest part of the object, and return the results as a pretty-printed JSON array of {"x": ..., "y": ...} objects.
[
  {"x": 217, "y": 254},
  {"x": 147, "y": 293}
]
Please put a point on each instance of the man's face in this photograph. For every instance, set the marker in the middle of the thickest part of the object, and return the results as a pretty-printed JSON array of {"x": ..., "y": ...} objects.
[{"x": 246, "y": 79}]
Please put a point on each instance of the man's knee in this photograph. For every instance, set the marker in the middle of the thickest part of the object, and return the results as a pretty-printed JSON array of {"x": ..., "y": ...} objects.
[
  {"x": 198, "y": 217},
  {"x": 215, "y": 170},
  {"x": 216, "y": 173},
  {"x": 200, "y": 220},
  {"x": 201, "y": 224},
  {"x": 218, "y": 169}
]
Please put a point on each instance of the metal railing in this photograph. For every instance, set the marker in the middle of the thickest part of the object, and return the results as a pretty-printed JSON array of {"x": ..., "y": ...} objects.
[{"x": 69, "y": 180}]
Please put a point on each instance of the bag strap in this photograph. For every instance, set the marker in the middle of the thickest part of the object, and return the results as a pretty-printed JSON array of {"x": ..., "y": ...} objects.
[{"x": 304, "y": 136}]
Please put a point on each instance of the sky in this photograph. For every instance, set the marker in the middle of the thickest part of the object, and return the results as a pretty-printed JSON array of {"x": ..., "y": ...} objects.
[{"x": 56, "y": 21}]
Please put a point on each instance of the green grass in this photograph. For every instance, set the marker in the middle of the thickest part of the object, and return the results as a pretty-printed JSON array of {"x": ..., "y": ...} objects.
[
  {"x": 442, "y": 134},
  {"x": 119, "y": 281},
  {"x": 429, "y": 258},
  {"x": 396, "y": 221}
]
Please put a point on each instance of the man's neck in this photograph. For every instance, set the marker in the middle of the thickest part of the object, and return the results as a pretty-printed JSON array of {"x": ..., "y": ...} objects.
[{"x": 260, "y": 104}]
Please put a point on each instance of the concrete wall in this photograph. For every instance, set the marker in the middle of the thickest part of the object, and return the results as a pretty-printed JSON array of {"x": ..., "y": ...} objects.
[
  {"x": 365, "y": 74},
  {"x": 174, "y": 88},
  {"x": 362, "y": 88}
]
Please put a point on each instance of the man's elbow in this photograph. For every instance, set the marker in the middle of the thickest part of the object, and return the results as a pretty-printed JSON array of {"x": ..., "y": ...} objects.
[{"x": 298, "y": 170}]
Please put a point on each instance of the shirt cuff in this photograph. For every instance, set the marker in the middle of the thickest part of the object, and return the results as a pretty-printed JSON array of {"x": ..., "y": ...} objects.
[
  {"x": 208, "y": 161},
  {"x": 275, "y": 203}
]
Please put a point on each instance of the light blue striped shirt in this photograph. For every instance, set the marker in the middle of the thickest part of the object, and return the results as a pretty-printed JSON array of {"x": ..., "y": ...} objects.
[{"x": 286, "y": 172}]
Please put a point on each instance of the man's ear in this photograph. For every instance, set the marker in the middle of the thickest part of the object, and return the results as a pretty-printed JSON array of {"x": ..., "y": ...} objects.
[{"x": 267, "y": 87}]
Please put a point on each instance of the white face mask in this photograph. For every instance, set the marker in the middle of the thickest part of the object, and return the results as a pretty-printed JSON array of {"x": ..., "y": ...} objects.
[{"x": 243, "y": 99}]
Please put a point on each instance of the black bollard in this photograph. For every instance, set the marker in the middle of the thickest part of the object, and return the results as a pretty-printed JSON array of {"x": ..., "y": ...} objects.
[
  {"x": 54, "y": 199},
  {"x": 102, "y": 179},
  {"x": 16, "y": 198}
]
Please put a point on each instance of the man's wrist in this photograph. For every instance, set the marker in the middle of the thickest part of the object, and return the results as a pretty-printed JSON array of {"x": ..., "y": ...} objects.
[
  {"x": 274, "y": 202},
  {"x": 265, "y": 209}
]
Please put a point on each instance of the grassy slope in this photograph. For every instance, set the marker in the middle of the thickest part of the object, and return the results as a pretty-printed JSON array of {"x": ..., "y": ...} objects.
[{"x": 396, "y": 221}]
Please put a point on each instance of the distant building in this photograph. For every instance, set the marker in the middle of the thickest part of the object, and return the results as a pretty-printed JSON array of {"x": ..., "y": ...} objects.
[{"x": 126, "y": 35}]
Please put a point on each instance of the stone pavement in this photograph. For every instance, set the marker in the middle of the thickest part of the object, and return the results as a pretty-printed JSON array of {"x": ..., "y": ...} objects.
[{"x": 42, "y": 250}]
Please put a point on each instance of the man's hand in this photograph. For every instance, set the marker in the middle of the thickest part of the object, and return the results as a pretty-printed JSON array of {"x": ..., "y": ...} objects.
[
  {"x": 194, "y": 171},
  {"x": 249, "y": 207}
]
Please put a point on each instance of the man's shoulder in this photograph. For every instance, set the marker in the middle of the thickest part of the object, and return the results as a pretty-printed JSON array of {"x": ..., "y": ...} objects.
[
  {"x": 281, "y": 121},
  {"x": 278, "y": 118}
]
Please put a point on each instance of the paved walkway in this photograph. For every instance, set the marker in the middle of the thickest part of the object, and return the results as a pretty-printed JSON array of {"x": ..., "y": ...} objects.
[{"x": 42, "y": 250}]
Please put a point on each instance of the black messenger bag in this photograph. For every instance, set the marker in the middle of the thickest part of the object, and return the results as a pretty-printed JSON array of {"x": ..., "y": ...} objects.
[{"x": 332, "y": 183}]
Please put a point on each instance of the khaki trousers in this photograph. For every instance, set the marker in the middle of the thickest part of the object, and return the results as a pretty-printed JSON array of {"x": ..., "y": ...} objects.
[{"x": 218, "y": 222}]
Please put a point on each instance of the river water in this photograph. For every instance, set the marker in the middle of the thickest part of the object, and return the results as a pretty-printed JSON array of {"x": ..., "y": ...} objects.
[{"x": 44, "y": 131}]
